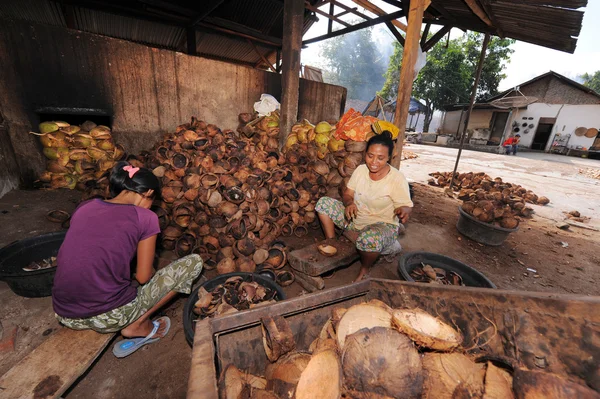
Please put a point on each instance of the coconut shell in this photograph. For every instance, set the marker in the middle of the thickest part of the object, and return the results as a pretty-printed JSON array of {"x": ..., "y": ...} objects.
[
  {"x": 444, "y": 372},
  {"x": 322, "y": 377},
  {"x": 364, "y": 315},
  {"x": 245, "y": 264},
  {"x": 543, "y": 201},
  {"x": 498, "y": 383},
  {"x": 529, "y": 384},
  {"x": 355, "y": 146},
  {"x": 283, "y": 375},
  {"x": 426, "y": 330},
  {"x": 327, "y": 250},
  {"x": 262, "y": 394},
  {"x": 384, "y": 362},
  {"x": 509, "y": 222},
  {"x": 227, "y": 265},
  {"x": 278, "y": 338}
]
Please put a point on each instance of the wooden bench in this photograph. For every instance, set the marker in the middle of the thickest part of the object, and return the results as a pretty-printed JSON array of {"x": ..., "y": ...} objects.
[
  {"x": 308, "y": 263},
  {"x": 51, "y": 368}
]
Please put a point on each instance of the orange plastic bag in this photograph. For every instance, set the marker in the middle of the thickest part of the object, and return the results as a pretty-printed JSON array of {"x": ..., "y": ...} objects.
[{"x": 353, "y": 126}]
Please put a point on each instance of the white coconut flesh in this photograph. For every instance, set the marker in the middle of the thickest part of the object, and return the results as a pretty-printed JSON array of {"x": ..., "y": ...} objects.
[
  {"x": 425, "y": 329},
  {"x": 361, "y": 316}
]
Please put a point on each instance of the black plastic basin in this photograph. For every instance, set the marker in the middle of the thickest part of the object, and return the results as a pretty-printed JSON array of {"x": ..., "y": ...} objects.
[
  {"x": 484, "y": 233},
  {"x": 14, "y": 257},
  {"x": 189, "y": 316},
  {"x": 470, "y": 276}
]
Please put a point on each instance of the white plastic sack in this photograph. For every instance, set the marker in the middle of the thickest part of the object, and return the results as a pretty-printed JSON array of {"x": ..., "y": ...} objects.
[
  {"x": 266, "y": 105},
  {"x": 420, "y": 63}
]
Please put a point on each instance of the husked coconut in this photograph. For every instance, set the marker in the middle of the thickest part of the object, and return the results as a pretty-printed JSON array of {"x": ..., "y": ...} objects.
[
  {"x": 382, "y": 361},
  {"x": 498, "y": 383},
  {"x": 364, "y": 315},
  {"x": 444, "y": 372},
  {"x": 321, "y": 344},
  {"x": 278, "y": 338},
  {"x": 426, "y": 330},
  {"x": 283, "y": 375},
  {"x": 322, "y": 377},
  {"x": 528, "y": 384}
]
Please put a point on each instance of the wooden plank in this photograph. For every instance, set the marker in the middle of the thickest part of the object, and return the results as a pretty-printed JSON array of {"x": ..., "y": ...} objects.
[
  {"x": 436, "y": 38},
  {"x": 202, "y": 382},
  {"x": 310, "y": 261},
  {"x": 51, "y": 368},
  {"x": 323, "y": 13},
  {"x": 405, "y": 84},
  {"x": 262, "y": 57},
  {"x": 395, "y": 32},
  {"x": 477, "y": 10},
  {"x": 309, "y": 283},
  {"x": 378, "y": 11},
  {"x": 293, "y": 20}
]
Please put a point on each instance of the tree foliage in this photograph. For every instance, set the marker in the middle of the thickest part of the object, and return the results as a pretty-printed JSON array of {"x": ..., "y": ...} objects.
[
  {"x": 353, "y": 61},
  {"x": 592, "y": 81},
  {"x": 449, "y": 74}
]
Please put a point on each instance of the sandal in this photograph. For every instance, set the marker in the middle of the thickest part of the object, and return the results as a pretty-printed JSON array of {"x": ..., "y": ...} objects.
[{"x": 127, "y": 346}]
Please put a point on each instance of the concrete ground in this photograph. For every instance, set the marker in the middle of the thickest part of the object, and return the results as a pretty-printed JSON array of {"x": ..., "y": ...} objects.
[{"x": 554, "y": 176}]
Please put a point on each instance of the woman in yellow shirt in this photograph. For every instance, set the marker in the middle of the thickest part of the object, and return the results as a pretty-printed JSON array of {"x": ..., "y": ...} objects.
[{"x": 376, "y": 200}]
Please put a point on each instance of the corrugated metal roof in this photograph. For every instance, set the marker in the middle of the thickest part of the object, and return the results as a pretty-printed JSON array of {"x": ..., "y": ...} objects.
[
  {"x": 127, "y": 28},
  {"x": 42, "y": 12}
]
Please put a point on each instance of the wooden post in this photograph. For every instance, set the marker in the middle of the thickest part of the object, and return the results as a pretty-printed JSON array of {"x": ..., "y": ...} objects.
[
  {"x": 409, "y": 58},
  {"x": 191, "y": 41},
  {"x": 486, "y": 40},
  {"x": 293, "y": 19}
]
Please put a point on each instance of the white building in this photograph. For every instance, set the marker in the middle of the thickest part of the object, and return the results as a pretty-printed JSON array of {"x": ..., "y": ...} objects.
[{"x": 565, "y": 118}]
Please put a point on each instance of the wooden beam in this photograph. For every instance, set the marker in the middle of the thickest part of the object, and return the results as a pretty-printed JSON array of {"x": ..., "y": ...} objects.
[
  {"x": 262, "y": 56},
  {"x": 208, "y": 8},
  {"x": 436, "y": 38},
  {"x": 356, "y": 27},
  {"x": 474, "y": 6},
  {"x": 293, "y": 20},
  {"x": 486, "y": 40},
  {"x": 487, "y": 7},
  {"x": 425, "y": 34},
  {"x": 330, "y": 22},
  {"x": 378, "y": 11},
  {"x": 350, "y": 9},
  {"x": 323, "y": 13},
  {"x": 442, "y": 10},
  {"x": 278, "y": 61},
  {"x": 395, "y": 32},
  {"x": 407, "y": 70},
  {"x": 190, "y": 35},
  {"x": 224, "y": 25}
]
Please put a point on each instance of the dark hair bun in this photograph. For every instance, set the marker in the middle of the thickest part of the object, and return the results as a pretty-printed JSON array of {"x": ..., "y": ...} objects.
[
  {"x": 385, "y": 139},
  {"x": 142, "y": 180}
]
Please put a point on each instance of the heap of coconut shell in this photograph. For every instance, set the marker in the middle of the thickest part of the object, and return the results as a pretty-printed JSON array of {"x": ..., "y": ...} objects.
[
  {"x": 373, "y": 351},
  {"x": 490, "y": 200},
  {"x": 227, "y": 197},
  {"x": 77, "y": 155}
]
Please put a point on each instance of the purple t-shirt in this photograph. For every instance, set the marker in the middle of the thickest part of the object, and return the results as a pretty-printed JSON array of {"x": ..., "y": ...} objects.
[{"x": 93, "y": 274}]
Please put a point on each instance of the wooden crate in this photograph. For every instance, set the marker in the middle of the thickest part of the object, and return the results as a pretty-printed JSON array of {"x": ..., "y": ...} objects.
[{"x": 560, "y": 333}]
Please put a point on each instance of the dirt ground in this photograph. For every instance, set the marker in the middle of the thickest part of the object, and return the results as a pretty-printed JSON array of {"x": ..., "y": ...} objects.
[{"x": 161, "y": 370}]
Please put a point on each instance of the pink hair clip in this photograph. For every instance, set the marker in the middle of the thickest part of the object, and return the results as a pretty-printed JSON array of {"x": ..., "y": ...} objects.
[{"x": 132, "y": 171}]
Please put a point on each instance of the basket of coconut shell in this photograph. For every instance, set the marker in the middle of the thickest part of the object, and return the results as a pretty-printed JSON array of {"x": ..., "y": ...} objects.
[
  {"x": 482, "y": 232},
  {"x": 391, "y": 339},
  {"x": 228, "y": 293},
  {"x": 432, "y": 268}
]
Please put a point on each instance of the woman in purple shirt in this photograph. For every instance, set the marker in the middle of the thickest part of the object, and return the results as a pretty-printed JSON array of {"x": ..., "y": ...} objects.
[{"x": 93, "y": 287}]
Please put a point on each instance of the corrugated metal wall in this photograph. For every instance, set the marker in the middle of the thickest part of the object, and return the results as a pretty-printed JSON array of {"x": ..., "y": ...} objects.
[{"x": 147, "y": 91}]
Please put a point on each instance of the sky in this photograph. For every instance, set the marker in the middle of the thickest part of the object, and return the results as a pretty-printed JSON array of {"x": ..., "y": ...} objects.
[{"x": 527, "y": 62}]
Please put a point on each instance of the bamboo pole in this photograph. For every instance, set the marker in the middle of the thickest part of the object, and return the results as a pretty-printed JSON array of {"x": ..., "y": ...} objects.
[
  {"x": 486, "y": 40},
  {"x": 409, "y": 58}
]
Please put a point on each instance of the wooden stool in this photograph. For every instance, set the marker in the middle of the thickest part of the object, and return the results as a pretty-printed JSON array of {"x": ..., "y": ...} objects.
[{"x": 308, "y": 263}]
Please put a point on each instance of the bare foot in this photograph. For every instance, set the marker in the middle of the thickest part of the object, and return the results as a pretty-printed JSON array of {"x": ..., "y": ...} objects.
[
  {"x": 362, "y": 274},
  {"x": 144, "y": 329}
]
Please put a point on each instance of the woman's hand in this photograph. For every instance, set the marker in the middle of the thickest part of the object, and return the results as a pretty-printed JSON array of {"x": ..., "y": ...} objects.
[
  {"x": 351, "y": 211},
  {"x": 403, "y": 213}
]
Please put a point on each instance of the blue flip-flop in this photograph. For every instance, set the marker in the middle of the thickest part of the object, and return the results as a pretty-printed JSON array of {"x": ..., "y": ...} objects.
[{"x": 127, "y": 346}]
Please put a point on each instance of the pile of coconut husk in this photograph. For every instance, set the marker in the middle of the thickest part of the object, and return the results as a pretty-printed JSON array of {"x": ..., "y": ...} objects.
[
  {"x": 590, "y": 172},
  {"x": 76, "y": 155},
  {"x": 373, "y": 351},
  {"x": 490, "y": 200}
]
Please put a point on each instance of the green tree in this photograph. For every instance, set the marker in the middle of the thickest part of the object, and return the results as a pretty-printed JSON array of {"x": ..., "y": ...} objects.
[
  {"x": 592, "y": 81},
  {"x": 353, "y": 61},
  {"x": 449, "y": 74}
]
